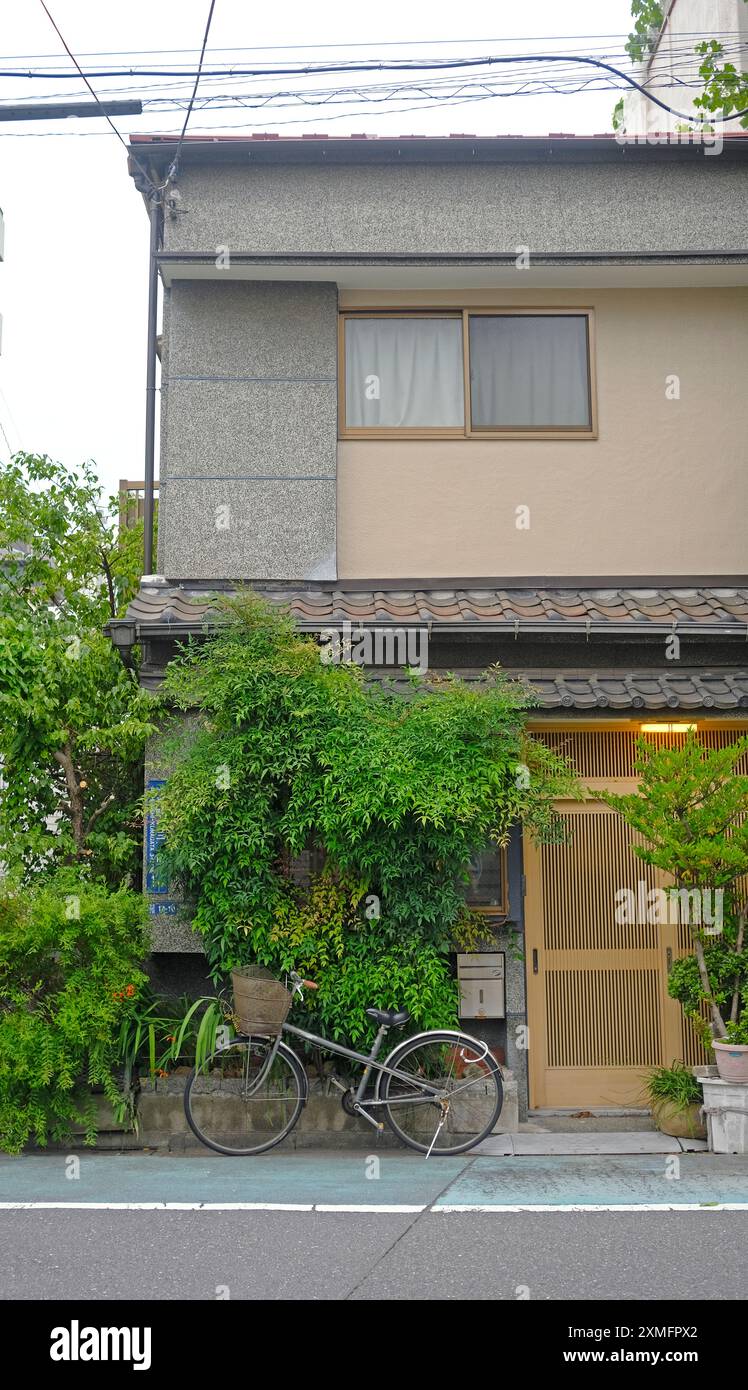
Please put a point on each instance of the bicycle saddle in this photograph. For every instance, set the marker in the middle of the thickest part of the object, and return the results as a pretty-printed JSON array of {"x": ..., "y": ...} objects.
[{"x": 391, "y": 1018}]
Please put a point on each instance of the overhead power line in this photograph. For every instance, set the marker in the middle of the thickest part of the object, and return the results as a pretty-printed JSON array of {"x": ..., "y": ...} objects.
[
  {"x": 105, "y": 113},
  {"x": 375, "y": 43},
  {"x": 493, "y": 60},
  {"x": 175, "y": 162}
]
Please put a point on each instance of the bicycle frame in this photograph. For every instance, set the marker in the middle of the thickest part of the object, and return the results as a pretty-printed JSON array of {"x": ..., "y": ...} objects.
[{"x": 369, "y": 1063}]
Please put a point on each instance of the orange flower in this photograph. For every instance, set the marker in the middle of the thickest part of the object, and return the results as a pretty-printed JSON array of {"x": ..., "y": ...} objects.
[{"x": 130, "y": 991}]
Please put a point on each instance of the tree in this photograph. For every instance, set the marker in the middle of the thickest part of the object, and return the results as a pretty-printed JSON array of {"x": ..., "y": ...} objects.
[
  {"x": 691, "y": 809},
  {"x": 399, "y": 793},
  {"x": 73, "y": 720}
]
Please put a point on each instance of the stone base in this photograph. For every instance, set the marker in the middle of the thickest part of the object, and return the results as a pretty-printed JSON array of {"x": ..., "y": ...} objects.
[
  {"x": 323, "y": 1122},
  {"x": 726, "y": 1111}
]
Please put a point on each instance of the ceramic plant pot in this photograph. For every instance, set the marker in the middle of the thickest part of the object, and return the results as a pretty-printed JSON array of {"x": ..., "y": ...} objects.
[
  {"x": 674, "y": 1120},
  {"x": 732, "y": 1060}
]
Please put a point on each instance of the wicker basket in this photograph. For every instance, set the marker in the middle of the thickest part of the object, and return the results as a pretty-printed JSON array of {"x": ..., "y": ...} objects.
[{"x": 261, "y": 1002}]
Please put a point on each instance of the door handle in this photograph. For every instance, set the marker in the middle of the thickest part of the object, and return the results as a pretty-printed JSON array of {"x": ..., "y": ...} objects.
[
  {"x": 534, "y": 961},
  {"x": 669, "y": 959}
]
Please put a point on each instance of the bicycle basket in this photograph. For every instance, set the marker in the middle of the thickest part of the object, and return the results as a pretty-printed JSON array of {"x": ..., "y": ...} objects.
[{"x": 261, "y": 1002}]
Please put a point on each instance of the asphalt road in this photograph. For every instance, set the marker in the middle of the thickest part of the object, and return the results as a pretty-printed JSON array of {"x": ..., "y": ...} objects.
[{"x": 327, "y": 1227}]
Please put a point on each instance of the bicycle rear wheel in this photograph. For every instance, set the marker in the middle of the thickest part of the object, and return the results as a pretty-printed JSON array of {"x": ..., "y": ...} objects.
[
  {"x": 470, "y": 1092},
  {"x": 243, "y": 1099}
]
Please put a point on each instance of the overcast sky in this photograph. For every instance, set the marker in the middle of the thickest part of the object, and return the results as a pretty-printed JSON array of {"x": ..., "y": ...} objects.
[{"x": 73, "y": 285}]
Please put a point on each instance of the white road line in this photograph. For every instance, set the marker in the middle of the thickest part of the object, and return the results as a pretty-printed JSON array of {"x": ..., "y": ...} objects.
[
  {"x": 593, "y": 1206},
  {"x": 156, "y": 1206},
  {"x": 373, "y": 1209},
  {"x": 367, "y": 1207}
]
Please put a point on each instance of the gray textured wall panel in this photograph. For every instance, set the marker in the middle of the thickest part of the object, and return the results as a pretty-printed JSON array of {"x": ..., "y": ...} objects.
[
  {"x": 241, "y": 429},
  {"x": 267, "y": 330},
  {"x": 452, "y": 208},
  {"x": 250, "y": 392},
  {"x": 248, "y": 530}
]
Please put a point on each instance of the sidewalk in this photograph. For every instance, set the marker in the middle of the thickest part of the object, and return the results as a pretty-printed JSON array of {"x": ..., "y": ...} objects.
[{"x": 530, "y": 1141}]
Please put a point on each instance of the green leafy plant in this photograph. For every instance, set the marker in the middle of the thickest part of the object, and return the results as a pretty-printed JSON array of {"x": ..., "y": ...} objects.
[
  {"x": 737, "y": 1029},
  {"x": 400, "y": 793},
  {"x": 649, "y": 18},
  {"x": 73, "y": 719},
  {"x": 691, "y": 811},
  {"x": 675, "y": 1084},
  {"x": 725, "y": 86},
  {"x": 161, "y": 1034},
  {"x": 70, "y": 954}
]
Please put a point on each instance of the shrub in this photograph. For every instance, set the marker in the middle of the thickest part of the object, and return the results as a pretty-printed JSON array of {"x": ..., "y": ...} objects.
[
  {"x": 676, "y": 1084},
  {"x": 399, "y": 793},
  {"x": 69, "y": 971}
]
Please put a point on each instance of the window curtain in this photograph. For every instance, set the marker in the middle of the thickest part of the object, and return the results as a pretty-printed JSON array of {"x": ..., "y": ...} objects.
[
  {"x": 529, "y": 371},
  {"x": 403, "y": 373}
]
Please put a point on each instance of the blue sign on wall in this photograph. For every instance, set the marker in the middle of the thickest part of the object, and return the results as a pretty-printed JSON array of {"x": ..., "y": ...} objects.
[{"x": 154, "y": 838}]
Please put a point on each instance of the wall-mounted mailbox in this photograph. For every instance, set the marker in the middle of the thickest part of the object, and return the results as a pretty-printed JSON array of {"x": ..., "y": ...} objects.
[{"x": 480, "y": 975}]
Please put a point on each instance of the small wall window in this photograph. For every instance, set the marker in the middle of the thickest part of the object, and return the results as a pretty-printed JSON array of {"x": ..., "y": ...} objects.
[
  {"x": 469, "y": 373},
  {"x": 487, "y": 888}
]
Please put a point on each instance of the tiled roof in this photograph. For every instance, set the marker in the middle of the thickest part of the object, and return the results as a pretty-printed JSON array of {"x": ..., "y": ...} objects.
[
  {"x": 651, "y": 690},
  {"x": 497, "y": 607}
]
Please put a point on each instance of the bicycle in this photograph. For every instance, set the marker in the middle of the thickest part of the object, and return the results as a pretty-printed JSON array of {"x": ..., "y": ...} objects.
[{"x": 439, "y": 1091}]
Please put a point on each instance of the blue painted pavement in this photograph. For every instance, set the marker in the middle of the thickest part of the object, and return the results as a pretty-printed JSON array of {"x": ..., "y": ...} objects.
[{"x": 336, "y": 1178}]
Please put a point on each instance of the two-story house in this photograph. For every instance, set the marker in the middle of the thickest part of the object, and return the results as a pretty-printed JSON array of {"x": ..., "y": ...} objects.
[{"x": 496, "y": 390}]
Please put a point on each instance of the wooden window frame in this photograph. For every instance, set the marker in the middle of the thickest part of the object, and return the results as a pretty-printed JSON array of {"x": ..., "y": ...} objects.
[
  {"x": 496, "y": 909},
  {"x": 467, "y": 431}
]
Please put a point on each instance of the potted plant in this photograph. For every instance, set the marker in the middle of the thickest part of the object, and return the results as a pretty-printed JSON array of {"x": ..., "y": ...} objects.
[
  {"x": 675, "y": 1099},
  {"x": 731, "y": 1052}
]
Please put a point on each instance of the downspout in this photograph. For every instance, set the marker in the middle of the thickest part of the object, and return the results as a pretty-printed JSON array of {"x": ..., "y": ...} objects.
[{"x": 155, "y": 214}]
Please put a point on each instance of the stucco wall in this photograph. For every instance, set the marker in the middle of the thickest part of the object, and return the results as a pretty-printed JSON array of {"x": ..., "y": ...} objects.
[
  {"x": 663, "y": 490},
  {"x": 248, "y": 431},
  {"x": 603, "y": 206}
]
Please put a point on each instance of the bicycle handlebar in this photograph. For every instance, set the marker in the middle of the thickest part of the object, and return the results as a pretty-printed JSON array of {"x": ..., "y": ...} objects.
[{"x": 299, "y": 983}]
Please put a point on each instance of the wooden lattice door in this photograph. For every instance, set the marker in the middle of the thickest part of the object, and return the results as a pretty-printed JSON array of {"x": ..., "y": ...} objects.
[{"x": 598, "y": 1008}]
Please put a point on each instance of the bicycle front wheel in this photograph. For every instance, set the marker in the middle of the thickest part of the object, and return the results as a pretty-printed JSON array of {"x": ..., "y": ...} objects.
[
  {"x": 244, "y": 1098},
  {"x": 468, "y": 1099}
]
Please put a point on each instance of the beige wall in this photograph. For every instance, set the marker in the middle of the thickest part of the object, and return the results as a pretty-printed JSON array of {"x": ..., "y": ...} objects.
[{"x": 662, "y": 491}]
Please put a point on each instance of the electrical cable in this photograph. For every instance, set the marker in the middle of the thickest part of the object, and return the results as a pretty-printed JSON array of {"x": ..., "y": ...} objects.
[
  {"x": 173, "y": 167},
  {"x": 451, "y": 64},
  {"x": 384, "y": 43},
  {"x": 685, "y": 64},
  {"x": 105, "y": 113}
]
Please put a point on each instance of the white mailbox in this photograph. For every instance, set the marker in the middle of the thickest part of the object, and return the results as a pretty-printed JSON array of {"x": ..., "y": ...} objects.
[{"x": 480, "y": 975}]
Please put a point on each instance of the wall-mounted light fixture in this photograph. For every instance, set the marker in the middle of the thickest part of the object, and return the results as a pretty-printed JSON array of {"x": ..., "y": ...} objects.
[{"x": 668, "y": 728}]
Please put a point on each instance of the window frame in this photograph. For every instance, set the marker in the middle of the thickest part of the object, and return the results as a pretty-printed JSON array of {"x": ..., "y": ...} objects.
[
  {"x": 467, "y": 431},
  {"x": 495, "y": 909}
]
